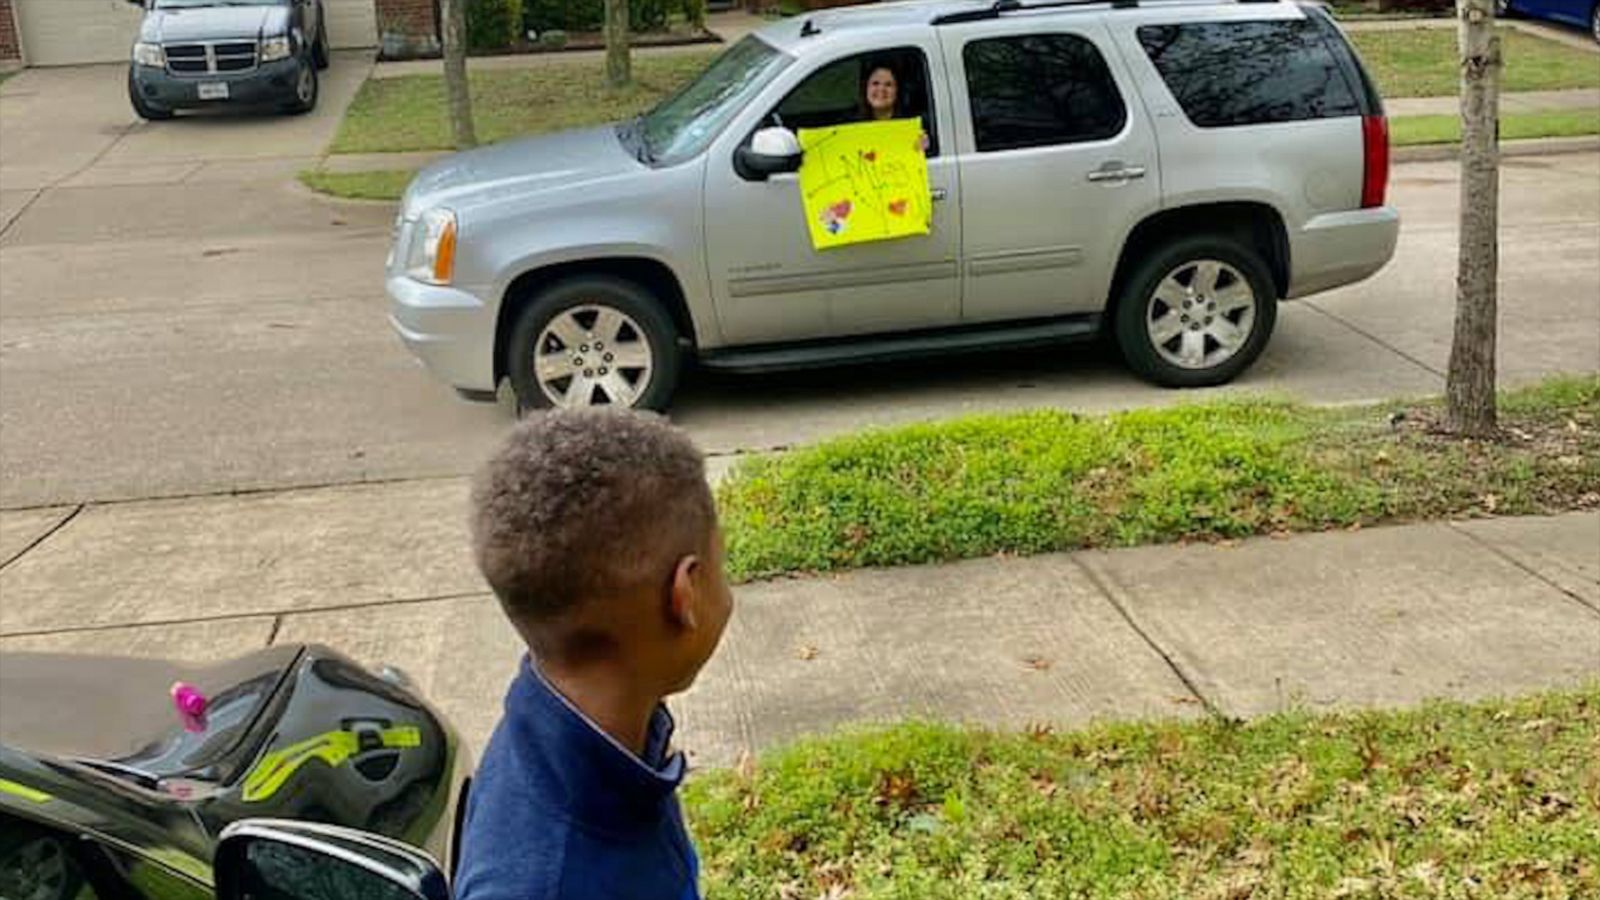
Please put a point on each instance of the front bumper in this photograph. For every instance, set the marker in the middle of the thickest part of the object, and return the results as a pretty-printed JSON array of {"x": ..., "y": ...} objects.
[
  {"x": 1337, "y": 249},
  {"x": 448, "y": 328},
  {"x": 272, "y": 82}
]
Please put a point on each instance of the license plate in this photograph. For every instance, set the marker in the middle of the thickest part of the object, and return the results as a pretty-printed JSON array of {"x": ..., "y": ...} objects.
[{"x": 214, "y": 91}]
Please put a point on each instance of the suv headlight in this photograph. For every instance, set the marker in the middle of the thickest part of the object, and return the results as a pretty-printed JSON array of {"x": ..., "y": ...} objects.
[
  {"x": 433, "y": 250},
  {"x": 275, "y": 48},
  {"x": 149, "y": 55}
]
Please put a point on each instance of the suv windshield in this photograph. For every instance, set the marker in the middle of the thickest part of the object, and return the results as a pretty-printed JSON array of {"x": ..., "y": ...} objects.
[{"x": 683, "y": 124}]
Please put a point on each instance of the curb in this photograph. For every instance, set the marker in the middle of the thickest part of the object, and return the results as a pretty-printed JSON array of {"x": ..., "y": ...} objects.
[{"x": 1531, "y": 147}]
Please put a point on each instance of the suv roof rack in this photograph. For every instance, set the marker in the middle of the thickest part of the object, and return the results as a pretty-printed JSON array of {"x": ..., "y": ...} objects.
[{"x": 1000, "y": 7}]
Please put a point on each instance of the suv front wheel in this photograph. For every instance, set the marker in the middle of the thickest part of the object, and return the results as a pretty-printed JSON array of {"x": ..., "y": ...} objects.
[
  {"x": 593, "y": 341},
  {"x": 1196, "y": 312}
]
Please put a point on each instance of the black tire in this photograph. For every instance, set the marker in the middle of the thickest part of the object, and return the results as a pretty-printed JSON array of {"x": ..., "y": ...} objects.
[
  {"x": 36, "y": 864},
  {"x": 302, "y": 105},
  {"x": 319, "y": 50},
  {"x": 1503, "y": 10},
  {"x": 650, "y": 324},
  {"x": 1137, "y": 301},
  {"x": 147, "y": 111}
]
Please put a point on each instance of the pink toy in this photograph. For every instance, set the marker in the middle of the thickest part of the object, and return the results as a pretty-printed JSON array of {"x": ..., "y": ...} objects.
[{"x": 190, "y": 704}]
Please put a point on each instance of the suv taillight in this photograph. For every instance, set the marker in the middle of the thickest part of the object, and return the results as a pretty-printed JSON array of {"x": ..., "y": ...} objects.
[{"x": 1375, "y": 159}]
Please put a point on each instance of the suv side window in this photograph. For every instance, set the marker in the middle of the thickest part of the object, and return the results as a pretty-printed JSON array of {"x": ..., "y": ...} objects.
[
  {"x": 1250, "y": 73},
  {"x": 1040, "y": 89},
  {"x": 835, "y": 93}
]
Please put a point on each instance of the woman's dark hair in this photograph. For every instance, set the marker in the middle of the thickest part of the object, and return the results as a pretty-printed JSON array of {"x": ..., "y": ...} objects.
[{"x": 892, "y": 68}]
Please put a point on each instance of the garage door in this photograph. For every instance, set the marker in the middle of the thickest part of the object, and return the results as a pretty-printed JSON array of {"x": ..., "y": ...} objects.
[
  {"x": 67, "y": 32},
  {"x": 351, "y": 23},
  {"x": 62, "y": 32}
]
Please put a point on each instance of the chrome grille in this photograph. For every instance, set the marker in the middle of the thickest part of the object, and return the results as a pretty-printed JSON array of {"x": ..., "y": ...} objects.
[{"x": 210, "y": 58}]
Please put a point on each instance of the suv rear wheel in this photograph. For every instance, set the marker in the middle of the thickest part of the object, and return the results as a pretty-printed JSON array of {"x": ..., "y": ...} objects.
[
  {"x": 1196, "y": 312},
  {"x": 594, "y": 341},
  {"x": 319, "y": 51}
]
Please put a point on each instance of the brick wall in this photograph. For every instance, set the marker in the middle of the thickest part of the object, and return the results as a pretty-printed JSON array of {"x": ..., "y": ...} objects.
[
  {"x": 10, "y": 48},
  {"x": 406, "y": 28}
]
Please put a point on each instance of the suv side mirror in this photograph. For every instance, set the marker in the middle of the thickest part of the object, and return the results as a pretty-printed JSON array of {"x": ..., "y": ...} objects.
[
  {"x": 770, "y": 152},
  {"x": 271, "y": 859}
]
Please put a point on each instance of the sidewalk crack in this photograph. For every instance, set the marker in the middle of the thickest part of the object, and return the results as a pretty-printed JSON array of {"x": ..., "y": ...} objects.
[
  {"x": 1105, "y": 589},
  {"x": 1497, "y": 551},
  {"x": 1375, "y": 339},
  {"x": 44, "y": 537}
]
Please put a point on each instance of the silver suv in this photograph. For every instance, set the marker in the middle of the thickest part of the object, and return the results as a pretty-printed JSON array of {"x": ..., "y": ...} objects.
[{"x": 1163, "y": 171}]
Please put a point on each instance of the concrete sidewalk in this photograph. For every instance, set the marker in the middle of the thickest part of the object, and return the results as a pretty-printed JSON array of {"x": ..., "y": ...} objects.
[
  {"x": 1513, "y": 102},
  {"x": 1381, "y": 616}
]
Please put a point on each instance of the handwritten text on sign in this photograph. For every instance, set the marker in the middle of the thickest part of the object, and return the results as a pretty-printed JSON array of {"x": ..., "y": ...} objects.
[{"x": 864, "y": 182}]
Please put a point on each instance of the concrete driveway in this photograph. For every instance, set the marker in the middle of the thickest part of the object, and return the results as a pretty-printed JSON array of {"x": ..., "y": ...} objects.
[{"x": 72, "y": 127}]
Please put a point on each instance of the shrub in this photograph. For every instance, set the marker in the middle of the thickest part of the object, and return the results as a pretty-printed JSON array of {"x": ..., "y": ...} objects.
[
  {"x": 590, "y": 15},
  {"x": 493, "y": 24}
]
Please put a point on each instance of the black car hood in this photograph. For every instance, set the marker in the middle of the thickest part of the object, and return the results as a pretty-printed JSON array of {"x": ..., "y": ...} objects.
[
  {"x": 119, "y": 711},
  {"x": 214, "y": 23}
]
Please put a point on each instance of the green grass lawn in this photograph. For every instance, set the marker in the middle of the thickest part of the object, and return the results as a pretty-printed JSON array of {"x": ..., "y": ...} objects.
[
  {"x": 1496, "y": 800},
  {"x": 409, "y": 113},
  {"x": 1423, "y": 62},
  {"x": 1411, "y": 130},
  {"x": 1049, "y": 480},
  {"x": 386, "y": 184}
]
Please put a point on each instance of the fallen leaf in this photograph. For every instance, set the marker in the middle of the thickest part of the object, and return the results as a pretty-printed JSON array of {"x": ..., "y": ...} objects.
[
  {"x": 1045, "y": 785},
  {"x": 806, "y": 652},
  {"x": 1491, "y": 502},
  {"x": 1036, "y": 663}
]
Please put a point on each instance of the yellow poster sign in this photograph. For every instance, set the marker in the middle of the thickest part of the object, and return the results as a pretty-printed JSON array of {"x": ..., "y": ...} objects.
[{"x": 865, "y": 182}]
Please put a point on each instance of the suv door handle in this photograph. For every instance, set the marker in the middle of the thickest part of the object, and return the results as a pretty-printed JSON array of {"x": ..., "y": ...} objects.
[
  {"x": 938, "y": 194},
  {"x": 1116, "y": 172}
]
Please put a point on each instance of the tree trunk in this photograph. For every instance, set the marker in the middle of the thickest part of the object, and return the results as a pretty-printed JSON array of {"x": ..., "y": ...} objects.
[
  {"x": 1470, "y": 383},
  {"x": 453, "y": 17},
  {"x": 619, "y": 69}
]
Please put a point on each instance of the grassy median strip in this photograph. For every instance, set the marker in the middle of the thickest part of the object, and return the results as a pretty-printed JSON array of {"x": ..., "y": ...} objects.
[
  {"x": 391, "y": 115},
  {"x": 1412, "y": 130},
  {"x": 1425, "y": 62},
  {"x": 1049, "y": 480},
  {"x": 1499, "y": 799},
  {"x": 386, "y": 184}
]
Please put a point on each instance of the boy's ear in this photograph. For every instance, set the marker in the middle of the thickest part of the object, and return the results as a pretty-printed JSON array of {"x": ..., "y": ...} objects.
[{"x": 681, "y": 595}]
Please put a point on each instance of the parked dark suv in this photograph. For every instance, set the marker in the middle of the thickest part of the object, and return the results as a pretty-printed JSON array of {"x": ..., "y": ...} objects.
[{"x": 206, "y": 53}]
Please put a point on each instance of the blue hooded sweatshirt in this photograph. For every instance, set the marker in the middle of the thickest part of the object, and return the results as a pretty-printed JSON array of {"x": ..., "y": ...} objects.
[{"x": 559, "y": 810}]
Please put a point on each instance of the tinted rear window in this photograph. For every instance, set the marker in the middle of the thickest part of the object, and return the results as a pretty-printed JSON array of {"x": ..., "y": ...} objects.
[
  {"x": 1248, "y": 73},
  {"x": 1038, "y": 90}
]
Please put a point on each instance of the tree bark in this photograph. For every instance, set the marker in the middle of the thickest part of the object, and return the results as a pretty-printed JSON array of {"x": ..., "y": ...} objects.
[
  {"x": 453, "y": 16},
  {"x": 1471, "y": 380},
  {"x": 619, "y": 68}
]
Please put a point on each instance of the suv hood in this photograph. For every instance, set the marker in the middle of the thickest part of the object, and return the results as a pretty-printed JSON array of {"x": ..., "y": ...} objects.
[
  {"x": 518, "y": 168},
  {"x": 212, "y": 23}
]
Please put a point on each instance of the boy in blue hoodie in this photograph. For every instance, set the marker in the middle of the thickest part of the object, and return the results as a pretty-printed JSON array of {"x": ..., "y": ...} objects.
[{"x": 597, "y": 531}]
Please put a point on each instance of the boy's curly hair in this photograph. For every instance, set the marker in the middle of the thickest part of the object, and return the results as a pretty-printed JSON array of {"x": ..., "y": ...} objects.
[{"x": 586, "y": 504}]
